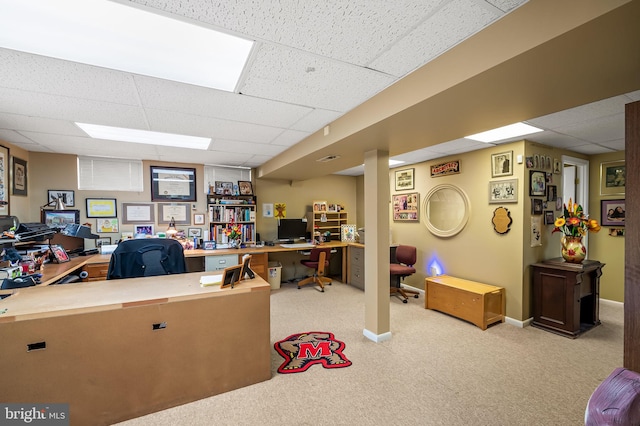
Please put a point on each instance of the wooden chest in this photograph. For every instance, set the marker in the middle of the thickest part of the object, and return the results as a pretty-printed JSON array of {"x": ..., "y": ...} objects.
[{"x": 480, "y": 304}]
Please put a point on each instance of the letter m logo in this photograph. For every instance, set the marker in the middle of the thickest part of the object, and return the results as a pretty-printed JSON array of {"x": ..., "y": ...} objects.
[{"x": 311, "y": 350}]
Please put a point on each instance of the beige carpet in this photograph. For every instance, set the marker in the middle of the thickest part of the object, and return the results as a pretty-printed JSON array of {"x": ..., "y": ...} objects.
[{"x": 436, "y": 370}]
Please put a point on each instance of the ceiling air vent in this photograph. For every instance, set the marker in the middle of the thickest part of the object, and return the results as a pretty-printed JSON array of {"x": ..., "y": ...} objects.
[{"x": 327, "y": 158}]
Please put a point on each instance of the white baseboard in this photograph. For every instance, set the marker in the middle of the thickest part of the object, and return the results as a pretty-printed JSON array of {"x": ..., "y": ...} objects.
[{"x": 376, "y": 337}]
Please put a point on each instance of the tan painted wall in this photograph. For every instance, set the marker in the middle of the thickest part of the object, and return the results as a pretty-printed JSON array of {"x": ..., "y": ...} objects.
[
  {"x": 603, "y": 247},
  {"x": 477, "y": 253}
]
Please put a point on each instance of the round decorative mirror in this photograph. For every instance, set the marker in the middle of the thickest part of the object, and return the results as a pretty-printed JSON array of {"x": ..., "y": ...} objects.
[{"x": 446, "y": 210}]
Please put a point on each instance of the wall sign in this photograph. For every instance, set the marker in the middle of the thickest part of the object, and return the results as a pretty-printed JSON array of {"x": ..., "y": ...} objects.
[{"x": 444, "y": 169}]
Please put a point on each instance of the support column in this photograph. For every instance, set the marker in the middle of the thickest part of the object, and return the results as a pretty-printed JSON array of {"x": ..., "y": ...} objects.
[{"x": 376, "y": 253}]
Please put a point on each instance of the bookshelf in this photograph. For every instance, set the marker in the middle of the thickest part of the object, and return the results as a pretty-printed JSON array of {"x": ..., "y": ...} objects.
[{"x": 226, "y": 209}]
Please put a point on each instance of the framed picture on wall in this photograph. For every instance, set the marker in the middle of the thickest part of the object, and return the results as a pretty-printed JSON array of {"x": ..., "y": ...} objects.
[
  {"x": 612, "y": 212},
  {"x": 537, "y": 184},
  {"x": 404, "y": 179},
  {"x": 66, "y": 196},
  {"x": 173, "y": 183},
  {"x": 503, "y": 191},
  {"x": 101, "y": 207},
  {"x": 502, "y": 164},
  {"x": 406, "y": 207},
  {"x": 612, "y": 178},
  {"x": 19, "y": 176}
]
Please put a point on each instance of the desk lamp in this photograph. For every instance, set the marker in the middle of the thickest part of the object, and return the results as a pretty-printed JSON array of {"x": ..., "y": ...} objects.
[
  {"x": 59, "y": 204},
  {"x": 171, "y": 230}
]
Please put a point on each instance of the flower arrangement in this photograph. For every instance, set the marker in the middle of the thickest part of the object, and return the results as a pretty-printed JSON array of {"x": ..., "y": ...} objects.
[
  {"x": 233, "y": 230},
  {"x": 574, "y": 222}
]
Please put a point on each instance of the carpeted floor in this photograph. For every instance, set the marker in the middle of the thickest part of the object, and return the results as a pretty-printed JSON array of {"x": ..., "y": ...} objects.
[{"x": 436, "y": 370}]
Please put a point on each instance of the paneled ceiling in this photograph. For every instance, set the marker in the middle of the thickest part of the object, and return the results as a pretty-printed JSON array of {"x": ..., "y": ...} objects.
[{"x": 313, "y": 64}]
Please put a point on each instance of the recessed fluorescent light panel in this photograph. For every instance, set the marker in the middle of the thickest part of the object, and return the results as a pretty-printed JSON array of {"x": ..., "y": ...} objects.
[
  {"x": 144, "y": 136},
  {"x": 506, "y": 132},
  {"x": 120, "y": 37}
]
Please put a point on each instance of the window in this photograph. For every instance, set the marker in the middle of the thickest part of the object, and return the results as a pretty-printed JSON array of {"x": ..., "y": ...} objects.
[
  {"x": 223, "y": 174},
  {"x": 109, "y": 174}
]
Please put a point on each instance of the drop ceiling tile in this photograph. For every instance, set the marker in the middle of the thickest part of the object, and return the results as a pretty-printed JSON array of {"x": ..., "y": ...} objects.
[
  {"x": 172, "y": 96},
  {"x": 353, "y": 32},
  {"x": 581, "y": 114},
  {"x": 246, "y": 147},
  {"x": 72, "y": 109},
  {"x": 456, "y": 21},
  {"x": 598, "y": 129},
  {"x": 25, "y": 71},
  {"x": 616, "y": 145},
  {"x": 316, "y": 119},
  {"x": 591, "y": 149},
  {"x": 299, "y": 78},
  {"x": 39, "y": 124},
  {"x": 15, "y": 137},
  {"x": 507, "y": 5},
  {"x": 289, "y": 138},
  {"x": 187, "y": 124}
]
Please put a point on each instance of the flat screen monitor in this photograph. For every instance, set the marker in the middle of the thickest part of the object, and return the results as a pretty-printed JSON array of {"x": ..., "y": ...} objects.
[{"x": 292, "y": 229}]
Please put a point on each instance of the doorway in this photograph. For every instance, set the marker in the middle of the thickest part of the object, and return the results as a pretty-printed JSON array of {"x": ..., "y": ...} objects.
[{"x": 575, "y": 183}]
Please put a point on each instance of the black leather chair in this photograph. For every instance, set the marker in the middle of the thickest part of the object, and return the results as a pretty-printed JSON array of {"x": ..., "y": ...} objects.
[
  {"x": 146, "y": 257},
  {"x": 400, "y": 267},
  {"x": 318, "y": 261}
]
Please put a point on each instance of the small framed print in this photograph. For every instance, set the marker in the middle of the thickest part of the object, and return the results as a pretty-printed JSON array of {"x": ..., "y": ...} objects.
[
  {"x": 101, "y": 207},
  {"x": 612, "y": 178},
  {"x": 245, "y": 187},
  {"x": 60, "y": 254},
  {"x": 502, "y": 164},
  {"x": 65, "y": 196},
  {"x": 612, "y": 212},
  {"x": 549, "y": 219},
  {"x": 556, "y": 166},
  {"x": 552, "y": 193},
  {"x": 198, "y": 218},
  {"x": 103, "y": 241},
  {"x": 536, "y": 206},
  {"x": 108, "y": 225},
  {"x": 19, "y": 176},
  {"x": 224, "y": 188},
  {"x": 348, "y": 233},
  {"x": 194, "y": 232},
  {"x": 143, "y": 230},
  {"x": 404, "y": 179},
  {"x": 209, "y": 245},
  {"x": 319, "y": 206},
  {"x": 503, "y": 191},
  {"x": 537, "y": 184}
]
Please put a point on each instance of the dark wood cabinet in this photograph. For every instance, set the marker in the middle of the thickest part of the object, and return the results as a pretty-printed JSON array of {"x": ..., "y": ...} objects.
[{"x": 566, "y": 296}]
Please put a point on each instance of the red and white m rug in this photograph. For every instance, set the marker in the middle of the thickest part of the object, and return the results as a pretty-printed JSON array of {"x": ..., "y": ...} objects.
[{"x": 303, "y": 350}]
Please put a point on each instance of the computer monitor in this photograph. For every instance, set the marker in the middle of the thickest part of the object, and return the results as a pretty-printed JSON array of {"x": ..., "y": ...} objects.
[{"x": 292, "y": 229}]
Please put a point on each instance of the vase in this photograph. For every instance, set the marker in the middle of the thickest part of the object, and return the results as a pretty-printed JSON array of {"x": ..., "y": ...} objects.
[
  {"x": 234, "y": 244},
  {"x": 573, "y": 251}
]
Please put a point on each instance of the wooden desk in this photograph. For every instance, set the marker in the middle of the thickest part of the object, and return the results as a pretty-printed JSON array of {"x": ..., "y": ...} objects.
[
  {"x": 566, "y": 296},
  {"x": 114, "y": 350}
]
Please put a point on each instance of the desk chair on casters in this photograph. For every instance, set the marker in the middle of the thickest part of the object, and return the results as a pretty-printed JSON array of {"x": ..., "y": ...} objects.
[
  {"x": 319, "y": 261},
  {"x": 403, "y": 267}
]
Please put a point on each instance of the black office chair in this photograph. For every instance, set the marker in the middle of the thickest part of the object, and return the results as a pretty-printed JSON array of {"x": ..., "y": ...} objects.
[
  {"x": 146, "y": 257},
  {"x": 318, "y": 261},
  {"x": 402, "y": 266}
]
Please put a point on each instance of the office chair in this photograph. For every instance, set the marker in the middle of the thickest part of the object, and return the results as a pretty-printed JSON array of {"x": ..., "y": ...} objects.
[
  {"x": 146, "y": 257},
  {"x": 318, "y": 261},
  {"x": 403, "y": 267}
]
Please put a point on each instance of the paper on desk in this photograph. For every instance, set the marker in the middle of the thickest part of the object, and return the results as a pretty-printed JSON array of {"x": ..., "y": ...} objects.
[{"x": 209, "y": 280}]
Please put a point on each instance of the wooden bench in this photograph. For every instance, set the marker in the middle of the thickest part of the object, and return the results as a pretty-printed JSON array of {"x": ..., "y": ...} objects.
[{"x": 480, "y": 304}]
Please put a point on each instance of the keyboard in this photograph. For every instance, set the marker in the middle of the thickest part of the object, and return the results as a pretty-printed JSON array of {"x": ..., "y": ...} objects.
[{"x": 298, "y": 245}]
